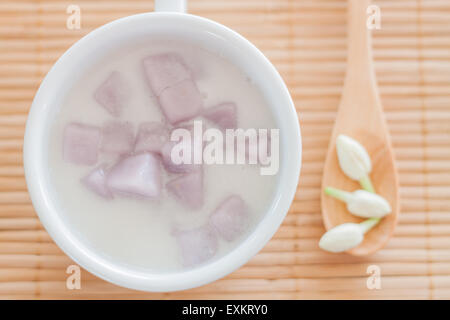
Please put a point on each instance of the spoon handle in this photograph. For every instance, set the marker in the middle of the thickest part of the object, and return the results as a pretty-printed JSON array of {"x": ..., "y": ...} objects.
[
  {"x": 360, "y": 94},
  {"x": 359, "y": 38}
]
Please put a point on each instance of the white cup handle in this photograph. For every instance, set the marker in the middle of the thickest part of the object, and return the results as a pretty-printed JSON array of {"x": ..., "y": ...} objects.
[{"x": 170, "y": 5}]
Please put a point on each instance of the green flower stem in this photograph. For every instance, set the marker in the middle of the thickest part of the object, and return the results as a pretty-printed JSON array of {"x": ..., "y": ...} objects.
[
  {"x": 369, "y": 224},
  {"x": 367, "y": 185},
  {"x": 338, "y": 194}
]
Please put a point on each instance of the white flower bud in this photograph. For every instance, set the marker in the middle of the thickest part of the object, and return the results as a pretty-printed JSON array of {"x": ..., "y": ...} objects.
[
  {"x": 346, "y": 236},
  {"x": 362, "y": 203},
  {"x": 353, "y": 158},
  {"x": 368, "y": 205},
  {"x": 342, "y": 237}
]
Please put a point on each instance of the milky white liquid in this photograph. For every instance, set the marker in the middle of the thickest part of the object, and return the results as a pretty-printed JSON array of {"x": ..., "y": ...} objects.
[{"x": 135, "y": 232}]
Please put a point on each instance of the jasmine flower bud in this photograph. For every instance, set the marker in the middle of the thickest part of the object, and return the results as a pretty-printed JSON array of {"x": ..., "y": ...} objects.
[
  {"x": 354, "y": 160},
  {"x": 346, "y": 236},
  {"x": 362, "y": 203}
]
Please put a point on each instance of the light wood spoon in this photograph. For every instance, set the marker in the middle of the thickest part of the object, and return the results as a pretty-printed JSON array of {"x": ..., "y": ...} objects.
[{"x": 361, "y": 117}]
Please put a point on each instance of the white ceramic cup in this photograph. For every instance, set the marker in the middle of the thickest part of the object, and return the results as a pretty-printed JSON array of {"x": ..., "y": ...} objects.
[{"x": 63, "y": 74}]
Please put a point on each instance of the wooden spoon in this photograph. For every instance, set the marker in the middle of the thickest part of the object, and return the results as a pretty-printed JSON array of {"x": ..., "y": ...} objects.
[{"x": 361, "y": 117}]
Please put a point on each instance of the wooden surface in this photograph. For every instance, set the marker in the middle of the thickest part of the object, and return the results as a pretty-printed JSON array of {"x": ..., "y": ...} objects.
[{"x": 306, "y": 40}]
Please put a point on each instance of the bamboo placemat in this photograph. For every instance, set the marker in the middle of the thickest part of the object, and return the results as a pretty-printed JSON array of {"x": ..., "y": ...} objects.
[{"x": 305, "y": 39}]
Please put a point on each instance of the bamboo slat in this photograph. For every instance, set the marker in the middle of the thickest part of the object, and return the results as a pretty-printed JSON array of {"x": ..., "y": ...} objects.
[{"x": 306, "y": 41}]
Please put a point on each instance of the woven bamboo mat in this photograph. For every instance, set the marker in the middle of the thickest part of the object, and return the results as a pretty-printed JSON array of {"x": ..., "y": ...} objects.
[{"x": 305, "y": 39}]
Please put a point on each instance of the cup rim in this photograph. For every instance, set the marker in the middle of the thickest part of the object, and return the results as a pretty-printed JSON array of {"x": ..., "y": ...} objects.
[{"x": 118, "y": 274}]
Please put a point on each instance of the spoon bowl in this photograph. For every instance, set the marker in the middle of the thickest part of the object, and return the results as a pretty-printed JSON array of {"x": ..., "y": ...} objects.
[{"x": 361, "y": 117}]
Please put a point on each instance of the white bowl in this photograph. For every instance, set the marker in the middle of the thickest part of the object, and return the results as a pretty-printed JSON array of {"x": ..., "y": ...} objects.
[{"x": 61, "y": 77}]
